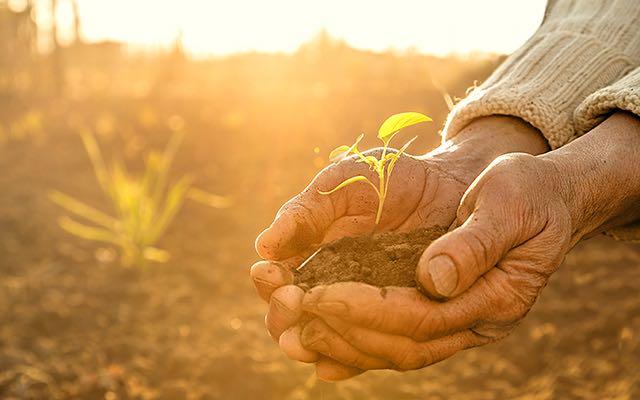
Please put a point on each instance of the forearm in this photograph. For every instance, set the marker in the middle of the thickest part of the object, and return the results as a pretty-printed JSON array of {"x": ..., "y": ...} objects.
[{"x": 598, "y": 175}]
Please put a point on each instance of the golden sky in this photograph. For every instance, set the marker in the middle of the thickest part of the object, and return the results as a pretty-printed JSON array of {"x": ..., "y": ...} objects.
[{"x": 217, "y": 27}]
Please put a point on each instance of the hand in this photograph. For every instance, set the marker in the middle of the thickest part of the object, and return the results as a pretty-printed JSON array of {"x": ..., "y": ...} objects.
[
  {"x": 426, "y": 195},
  {"x": 510, "y": 218},
  {"x": 515, "y": 225}
]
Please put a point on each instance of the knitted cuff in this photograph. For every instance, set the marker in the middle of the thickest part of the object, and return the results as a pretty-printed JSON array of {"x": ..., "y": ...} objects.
[
  {"x": 622, "y": 95},
  {"x": 543, "y": 83}
]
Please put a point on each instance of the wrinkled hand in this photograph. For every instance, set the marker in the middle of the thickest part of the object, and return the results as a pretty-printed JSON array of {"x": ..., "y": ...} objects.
[
  {"x": 511, "y": 218},
  {"x": 424, "y": 192},
  {"x": 425, "y": 196},
  {"x": 515, "y": 225}
]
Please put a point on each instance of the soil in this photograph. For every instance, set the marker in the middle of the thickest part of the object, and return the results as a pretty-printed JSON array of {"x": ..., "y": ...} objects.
[{"x": 385, "y": 259}]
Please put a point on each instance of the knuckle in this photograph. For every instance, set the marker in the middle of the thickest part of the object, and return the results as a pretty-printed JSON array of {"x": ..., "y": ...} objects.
[
  {"x": 480, "y": 246},
  {"x": 511, "y": 301},
  {"x": 431, "y": 324},
  {"x": 350, "y": 334},
  {"x": 408, "y": 358},
  {"x": 353, "y": 359},
  {"x": 511, "y": 172},
  {"x": 518, "y": 162},
  {"x": 312, "y": 333}
]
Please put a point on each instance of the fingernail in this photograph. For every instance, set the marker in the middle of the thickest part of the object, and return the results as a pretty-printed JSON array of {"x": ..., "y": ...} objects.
[
  {"x": 285, "y": 272},
  {"x": 444, "y": 274}
]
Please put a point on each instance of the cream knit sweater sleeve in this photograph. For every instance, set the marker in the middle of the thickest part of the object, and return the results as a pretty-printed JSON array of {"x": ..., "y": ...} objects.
[
  {"x": 581, "y": 47},
  {"x": 622, "y": 95}
]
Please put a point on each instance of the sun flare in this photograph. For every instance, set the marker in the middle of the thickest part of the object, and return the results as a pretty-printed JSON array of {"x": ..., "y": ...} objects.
[{"x": 223, "y": 27}]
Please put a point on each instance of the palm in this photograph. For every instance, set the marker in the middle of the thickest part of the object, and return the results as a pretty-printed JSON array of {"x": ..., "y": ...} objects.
[{"x": 421, "y": 194}]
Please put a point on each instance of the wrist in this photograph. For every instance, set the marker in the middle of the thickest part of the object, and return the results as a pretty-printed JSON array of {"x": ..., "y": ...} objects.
[
  {"x": 487, "y": 138},
  {"x": 597, "y": 176}
]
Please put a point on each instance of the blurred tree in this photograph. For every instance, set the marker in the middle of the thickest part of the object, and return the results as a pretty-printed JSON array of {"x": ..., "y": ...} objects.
[
  {"x": 77, "y": 36},
  {"x": 56, "y": 56},
  {"x": 18, "y": 40}
]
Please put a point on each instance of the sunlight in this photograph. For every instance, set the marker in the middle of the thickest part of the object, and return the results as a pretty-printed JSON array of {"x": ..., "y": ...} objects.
[{"x": 222, "y": 27}]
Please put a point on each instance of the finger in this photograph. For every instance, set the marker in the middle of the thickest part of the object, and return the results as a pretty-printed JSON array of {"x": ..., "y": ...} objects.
[
  {"x": 331, "y": 370},
  {"x": 453, "y": 262},
  {"x": 318, "y": 336},
  {"x": 284, "y": 310},
  {"x": 302, "y": 221},
  {"x": 292, "y": 346},
  {"x": 267, "y": 276},
  {"x": 402, "y": 352},
  {"x": 394, "y": 310}
]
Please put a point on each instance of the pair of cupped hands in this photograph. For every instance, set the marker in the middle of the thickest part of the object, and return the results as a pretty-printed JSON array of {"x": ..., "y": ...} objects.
[{"x": 513, "y": 210}]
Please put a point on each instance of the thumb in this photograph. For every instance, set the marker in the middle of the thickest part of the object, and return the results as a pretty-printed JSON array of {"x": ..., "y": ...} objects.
[
  {"x": 300, "y": 223},
  {"x": 452, "y": 263}
]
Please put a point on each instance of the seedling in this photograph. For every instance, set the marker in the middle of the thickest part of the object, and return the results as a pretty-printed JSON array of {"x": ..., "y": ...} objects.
[
  {"x": 144, "y": 205},
  {"x": 387, "y": 161}
]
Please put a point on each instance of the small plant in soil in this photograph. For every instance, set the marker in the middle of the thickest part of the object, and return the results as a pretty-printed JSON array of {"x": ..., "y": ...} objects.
[
  {"x": 387, "y": 161},
  {"x": 144, "y": 205},
  {"x": 384, "y": 259}
]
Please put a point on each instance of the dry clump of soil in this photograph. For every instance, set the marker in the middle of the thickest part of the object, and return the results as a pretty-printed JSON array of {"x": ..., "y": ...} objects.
[{"x": 385, "y": 259}]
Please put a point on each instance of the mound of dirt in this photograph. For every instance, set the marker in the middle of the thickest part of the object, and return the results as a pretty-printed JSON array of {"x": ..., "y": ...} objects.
[{"x": 385, "y": 259}]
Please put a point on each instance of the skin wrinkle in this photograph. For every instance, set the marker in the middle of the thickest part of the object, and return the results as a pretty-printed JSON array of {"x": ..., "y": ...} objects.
[
  {"x": 500, "y": 291},
  {"x": 481, "y": 268},
  {"x": 346, "y": 332},
  {"x": 427, "y": 320},
  {"x": 418, "y": 203},
  {"x": 449, "y": 174},
  {"x": 310, "y": 215},
  {"x": 282, "y": 307},
  {"x": 411, "y": 358}
]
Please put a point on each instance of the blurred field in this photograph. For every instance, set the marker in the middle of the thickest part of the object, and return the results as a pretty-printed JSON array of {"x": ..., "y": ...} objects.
[{"x": 75, "y": 324}]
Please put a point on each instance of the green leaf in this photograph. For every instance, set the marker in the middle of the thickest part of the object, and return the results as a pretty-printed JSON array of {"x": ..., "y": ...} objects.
[
  {"x": 394, "y": 123},
  {"x": 97, "y": 162},
  {"x": 341, "y": 152},
  {"x": 347, "y": 182},
  {"x": 155, "y": 254},
  {"x": 394, "y": 159},
  {"x": 209, "y": 199},
  {"x": 173, "y": 204},
  {"x": 88, "y": 232},
  {"x": 406, "y": 145},
  {"x": 79, "y": 208},
  {"x": 165, "y": 165}
]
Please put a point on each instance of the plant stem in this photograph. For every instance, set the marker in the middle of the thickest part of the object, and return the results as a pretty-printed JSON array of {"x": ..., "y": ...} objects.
[
  {"x": 382, "y": 188},
  {"x": 380, "y": 205}
]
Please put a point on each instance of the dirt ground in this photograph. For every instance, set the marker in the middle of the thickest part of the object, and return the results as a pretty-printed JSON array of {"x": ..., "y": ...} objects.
[{"x": 76, "y": 325}]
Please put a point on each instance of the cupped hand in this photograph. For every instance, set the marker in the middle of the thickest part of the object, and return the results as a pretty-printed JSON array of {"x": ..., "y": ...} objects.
[
  {"x": 424, "y": 192},
  {"x": 514, "y": 231},
  {"x": 515, "y": 224}
]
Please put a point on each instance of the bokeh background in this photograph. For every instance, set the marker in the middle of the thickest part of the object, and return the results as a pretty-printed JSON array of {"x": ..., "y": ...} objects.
[{"x": 261, "y": 91}]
